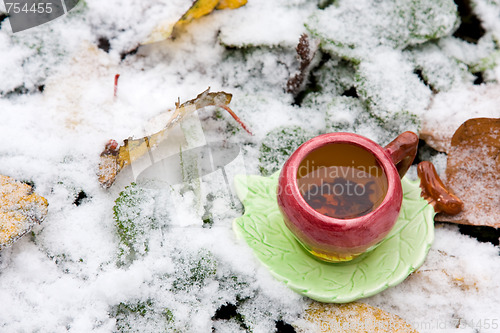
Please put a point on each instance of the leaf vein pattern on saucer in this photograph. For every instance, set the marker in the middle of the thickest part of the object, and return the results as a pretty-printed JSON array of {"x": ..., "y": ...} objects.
[{"x": 263, "y": 229}]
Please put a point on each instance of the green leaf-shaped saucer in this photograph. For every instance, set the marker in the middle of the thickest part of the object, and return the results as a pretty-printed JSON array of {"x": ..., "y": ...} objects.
[{"x": 401, "y": 252}]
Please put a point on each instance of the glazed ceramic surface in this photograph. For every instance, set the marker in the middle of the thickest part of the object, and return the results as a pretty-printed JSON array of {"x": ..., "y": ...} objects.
[
  {"x": 335, "y": 239},
  {"x": 401, "y": 252}
]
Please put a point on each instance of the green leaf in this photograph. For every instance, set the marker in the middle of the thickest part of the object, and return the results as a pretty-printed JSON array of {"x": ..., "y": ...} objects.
[
  {"x": 391, "y": 90},
  {"x": 278, "y": 145},
  {"x": 440, "y": 72},
  {"x": 137, "y": 217},
  {"x": 131, "y": 315},
  {"x": 352, "y": 29}
]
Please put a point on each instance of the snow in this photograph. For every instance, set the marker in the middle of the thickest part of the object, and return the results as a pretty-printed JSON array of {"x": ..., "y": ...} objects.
[
  {"x": 450, "y": 109},
  {"x": 465, "y": 269},
  {"x": 489, "y": 12},
  {"x": 261, "y": 23},
  {"x": 57, "y": 112}
]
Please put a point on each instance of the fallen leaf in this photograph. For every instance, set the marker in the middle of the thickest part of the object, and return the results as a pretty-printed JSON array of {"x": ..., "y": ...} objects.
[
  {"x": 231, "y": 4},
  {"x": 473, "y": 172},
  {"x": 114, "y": 158},
  {"x": 351, "y": 317},
  {"x": 199, "y": 8},
  {"x": 20, "y": 209}
]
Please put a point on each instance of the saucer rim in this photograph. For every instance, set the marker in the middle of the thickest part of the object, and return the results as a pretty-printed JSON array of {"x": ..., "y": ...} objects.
[{"x": 391, "y": 281}]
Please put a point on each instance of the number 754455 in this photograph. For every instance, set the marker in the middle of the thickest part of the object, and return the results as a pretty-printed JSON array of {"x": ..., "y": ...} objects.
[{"x": 40, "y": 8}]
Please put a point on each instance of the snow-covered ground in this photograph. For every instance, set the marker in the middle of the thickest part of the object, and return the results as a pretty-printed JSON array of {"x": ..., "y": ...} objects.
[{"x": 57, "y": 111}]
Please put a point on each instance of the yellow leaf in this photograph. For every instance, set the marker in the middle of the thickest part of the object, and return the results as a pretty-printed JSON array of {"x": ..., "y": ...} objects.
[
  {"x": 231, "y": 4},
  {"x": 199, "y": 8},
  {"x": 168, "y": 29},
  {"x": 20, "y": 209},
  {"x": 351, "y": 317},
  {"x": 161, "y": 32}
]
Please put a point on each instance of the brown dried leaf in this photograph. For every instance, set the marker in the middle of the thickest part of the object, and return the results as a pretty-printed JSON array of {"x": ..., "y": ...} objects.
[
  {"x": 473, "y": 172},
  {"x": 351, "y": 317},
  {"x": 306, "y": 50},
  {"x": 114, "y": 158},
  {"x": 20, "y": 209}
]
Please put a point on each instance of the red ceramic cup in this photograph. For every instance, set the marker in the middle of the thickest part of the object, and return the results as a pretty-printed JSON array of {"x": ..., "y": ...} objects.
[{"x": 335, "y": 239}]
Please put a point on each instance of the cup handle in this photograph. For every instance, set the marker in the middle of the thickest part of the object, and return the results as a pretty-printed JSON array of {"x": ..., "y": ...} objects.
[{"x": 402, "y": 151}]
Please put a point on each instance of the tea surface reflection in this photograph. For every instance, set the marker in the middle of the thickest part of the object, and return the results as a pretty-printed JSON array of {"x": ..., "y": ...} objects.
[{"x": 342, "y": 181}]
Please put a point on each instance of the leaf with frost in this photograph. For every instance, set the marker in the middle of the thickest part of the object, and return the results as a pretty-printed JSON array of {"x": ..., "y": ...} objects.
[
  {"x": 278, "y": 145},
  {"x": 359, "y": 27},
  {"x": 20, "y": 209},
  {"x": 439, "y": 71},
  {"x": 388, "y": 85},
  {"x": 114, "y": 158},
  {"x": 473, "y": 172},
  {"x": 352, "y": 317}
]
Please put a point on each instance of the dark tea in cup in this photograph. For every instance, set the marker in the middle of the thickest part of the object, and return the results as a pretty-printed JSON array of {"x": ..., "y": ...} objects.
[
  {"x": 342, "y": 181},
  {"x": 340, "y": 193}
]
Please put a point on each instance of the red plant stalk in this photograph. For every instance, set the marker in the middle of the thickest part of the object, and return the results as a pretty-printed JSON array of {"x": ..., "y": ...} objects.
[
  {"x": 236, "y": 118},
  {"x": 117, "y": 76}
]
